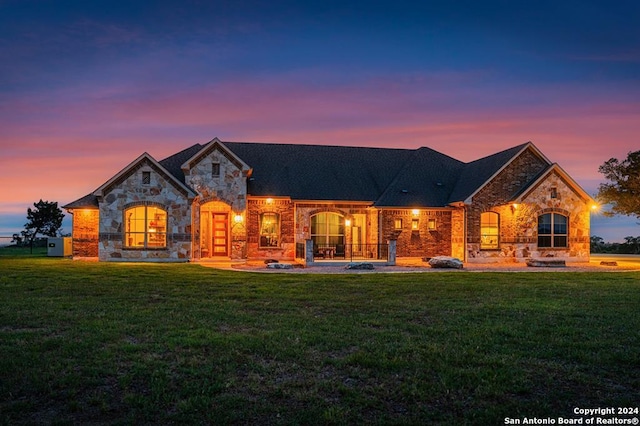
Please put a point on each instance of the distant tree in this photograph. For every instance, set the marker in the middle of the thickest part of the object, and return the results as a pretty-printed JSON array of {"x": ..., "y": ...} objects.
[
  {"x": 597, "y": 244},
  {"x": 45, "y": 219},
  {"x": 622, "y": 191},
  {"x": 632, "y": 245},
  {"x": 16, "y": 238}
]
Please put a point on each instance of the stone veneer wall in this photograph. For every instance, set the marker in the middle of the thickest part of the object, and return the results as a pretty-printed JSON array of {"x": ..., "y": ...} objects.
[
  {"x": 85, "y": 232},
  {"x": 130, "y": 191},
  {"x": 229, "y": 187},
  {"x": 519, "y": 226},
  {"x": 286, "y": 209},
  {"x": 421, "y": 242},
  {"x": 493, "y": 197}
]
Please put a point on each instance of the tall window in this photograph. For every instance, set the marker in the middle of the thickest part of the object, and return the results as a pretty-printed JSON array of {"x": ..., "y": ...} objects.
[
  {"x": 552, "y": 230},
  {"x": 327, "y": 229},
  {"x": 269, "y": 230},
  {"x": 145, "y": 227},
  {"x": 489, "y": 230}
]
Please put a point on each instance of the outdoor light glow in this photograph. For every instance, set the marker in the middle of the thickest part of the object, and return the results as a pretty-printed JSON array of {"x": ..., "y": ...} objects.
[
  {"x": 238, "y": 218},
  {"x": 269, "y": 200},
  {"x": 415, "y": 212},
  {"x": 347, "y": 222}
]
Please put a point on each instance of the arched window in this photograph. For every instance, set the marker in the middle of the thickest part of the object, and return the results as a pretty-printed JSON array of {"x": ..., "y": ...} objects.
[
  {"x": 145, "y": 227},
  {"x": 327, "y": 229},
  {"x": 269, "y": 230},
  {"x": 489, "y": 230},
  {"x": 552, "y": 230}
]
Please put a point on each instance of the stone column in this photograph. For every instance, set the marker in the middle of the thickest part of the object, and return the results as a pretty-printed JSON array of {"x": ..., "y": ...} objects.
[
  {"x": 391, "y": 260},
  {"x": 308, "y": 252}
]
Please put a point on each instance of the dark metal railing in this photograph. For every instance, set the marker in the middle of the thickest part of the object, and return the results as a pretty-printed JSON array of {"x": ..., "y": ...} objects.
[{"x": 351, "y": 252}]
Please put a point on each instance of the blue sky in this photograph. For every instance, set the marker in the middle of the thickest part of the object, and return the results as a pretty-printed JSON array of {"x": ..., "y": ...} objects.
[{"x": 87, "y": 86}]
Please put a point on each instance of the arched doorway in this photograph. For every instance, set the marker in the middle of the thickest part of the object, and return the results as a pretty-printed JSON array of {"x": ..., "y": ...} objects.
[{"x": 215, "y": 230}]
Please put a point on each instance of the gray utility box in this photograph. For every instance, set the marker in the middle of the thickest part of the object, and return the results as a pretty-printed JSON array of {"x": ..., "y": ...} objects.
[{"x": 59, "y": 247}]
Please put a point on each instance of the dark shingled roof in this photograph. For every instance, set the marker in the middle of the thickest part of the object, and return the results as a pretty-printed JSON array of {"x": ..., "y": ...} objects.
[
  {"x": 476, "y": 173},
  {"x": 89, "y": 201},
  {"x": 427, "y": 179},
  {"x": 320, "y": 172},
  {"x": 385, "y": 176},
  {"x": 173, "y": 163}
]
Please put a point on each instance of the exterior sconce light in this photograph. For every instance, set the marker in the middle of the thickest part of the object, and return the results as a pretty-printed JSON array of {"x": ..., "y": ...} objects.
[
  {"x": 237, "y": 218},
  {"x": 594, "y": 207},
  {"x": 415, "y": 212},
  {"x": 269, "y": 200},
  {"x": 347, "y": 222},
  {"x": 514, "y": 207}
]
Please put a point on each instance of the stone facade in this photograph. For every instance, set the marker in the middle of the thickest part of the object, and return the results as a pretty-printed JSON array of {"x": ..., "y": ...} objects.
[
  {"x": 213, "y": 205},
  {"x": 519, "y": 225},
  {"x": 131, "y": 190},
  {"x": 220, "y": 180},
  {"x": 228, "y": 185}
]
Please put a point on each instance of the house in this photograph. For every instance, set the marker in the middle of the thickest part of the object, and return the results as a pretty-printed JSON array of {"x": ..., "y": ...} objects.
[{"x": 233, "y": 200}]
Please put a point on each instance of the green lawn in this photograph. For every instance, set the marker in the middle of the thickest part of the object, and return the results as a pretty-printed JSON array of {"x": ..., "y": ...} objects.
[{"x": 155, "y": 344}]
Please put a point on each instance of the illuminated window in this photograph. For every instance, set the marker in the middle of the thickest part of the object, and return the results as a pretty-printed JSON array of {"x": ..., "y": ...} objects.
[
  {"x": 397, "y": 224},
  {"x": 145, "y": 227},
  {"x": 146, "y": 178},
  {"x": 215, "y": 170},
  {"x": 415, "y": 224},
  {"x": 431, "y": 224},
  {"x": 327, "y": 229},
  {"x": 269, "y": 230},
  {"x": 552, "y": 230},
  {"x": 489, "y": 230}
]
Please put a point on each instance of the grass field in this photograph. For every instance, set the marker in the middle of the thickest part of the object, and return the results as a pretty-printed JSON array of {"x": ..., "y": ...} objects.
[{"x": 108, "y": 343}]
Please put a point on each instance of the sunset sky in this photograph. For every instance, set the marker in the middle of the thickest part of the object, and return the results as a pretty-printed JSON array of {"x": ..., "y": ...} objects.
[{"x": 87, "y": 86}]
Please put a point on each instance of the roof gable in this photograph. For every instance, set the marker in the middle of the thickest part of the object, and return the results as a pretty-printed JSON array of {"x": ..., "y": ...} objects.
[
  {"x": 215, "y": 145},
  {"x": 477, "y": 174},
  {"x": 564, "y": 176},
  {"x": 132, "y": 167}
]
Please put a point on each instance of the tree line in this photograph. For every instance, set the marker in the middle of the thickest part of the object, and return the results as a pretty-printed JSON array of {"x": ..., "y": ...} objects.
[{"x": 631, "y": 245}]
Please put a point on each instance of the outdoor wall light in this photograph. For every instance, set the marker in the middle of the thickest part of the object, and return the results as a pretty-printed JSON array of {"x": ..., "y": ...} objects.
[
  {"x": 269, "y": 200},
  {"x": 347, "y": 222},
  {"x": 237, "y": 218},
  {"x": 415, "y": 212}
]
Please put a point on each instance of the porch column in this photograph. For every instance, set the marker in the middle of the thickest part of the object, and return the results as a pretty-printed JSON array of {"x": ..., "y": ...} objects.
[
  {"x": 392, "y": 252},
  {"x": 308, "y": 252}
]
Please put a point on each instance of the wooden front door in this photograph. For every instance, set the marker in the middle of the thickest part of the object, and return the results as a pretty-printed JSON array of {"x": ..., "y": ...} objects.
[{"x": 220, "y": 237}]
